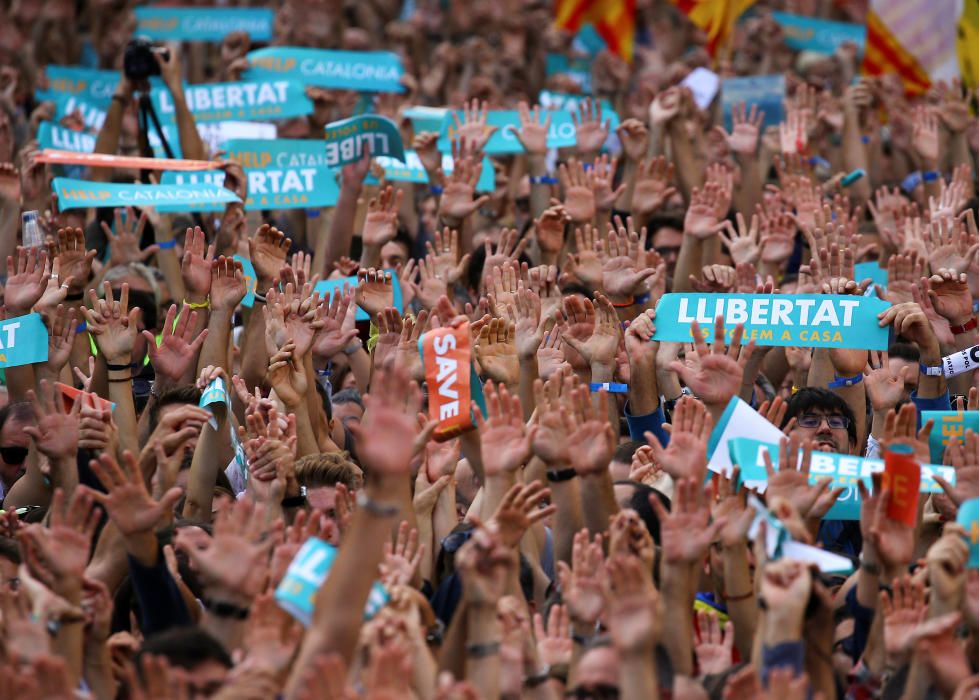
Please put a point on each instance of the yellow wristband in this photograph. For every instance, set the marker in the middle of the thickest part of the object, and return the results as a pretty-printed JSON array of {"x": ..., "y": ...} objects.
[{"x": 206, "y": 304}]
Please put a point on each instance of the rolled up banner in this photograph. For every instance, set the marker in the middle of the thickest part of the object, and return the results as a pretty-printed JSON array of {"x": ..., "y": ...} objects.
[
  {"x": 452, "y": 381},
  {"x": 959, "y": 362},
  {"x": 105, "y": 160}
]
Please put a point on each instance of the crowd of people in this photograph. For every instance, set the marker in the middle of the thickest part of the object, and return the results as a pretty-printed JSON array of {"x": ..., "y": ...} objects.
[{"x": 182, "y": 472}]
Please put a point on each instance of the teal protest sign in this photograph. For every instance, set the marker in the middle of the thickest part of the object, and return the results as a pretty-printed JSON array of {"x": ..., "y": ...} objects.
[
  {"x": 363, "y": 71},
  {"x": 215, "y": 397},
  {"x": 90, "y": 84},
  {"x": 81, "y": 194},
  {"x": 251, "y": 279},
  {"x": 268, "y": 188},
  {"x": 92, "y": 115},
  {"x": 844, "y": 470},
  {"x": 504, "y": 140},
  {"x": 307, "y": 572},
  {"x": 968, "y": 518},
  {"x": 765, "y": 91},
  {"x": 807, "y": 320},
  {"x": 23, "y": 340},
  {"x": 872, "y": 271},
  {"x": 50, "y": 135},
  {"x": 285, "y": 173},
  {"x": 345, "y": 140},
  {"x": 326, "y": 289},
  {"x": 411, "y": 170},
  {"x": 192, "y": 177},
  {"x": 259, "y": 100},
  {"x": 819, "y": 35},
  {"x": 570, "y": 103},
  {"x": 425, "y": 118},
  {"x": 949, "y": 426},
  {"x": 203, "y": 23}
]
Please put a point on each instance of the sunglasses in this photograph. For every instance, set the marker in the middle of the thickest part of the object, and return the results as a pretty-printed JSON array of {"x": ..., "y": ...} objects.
[
  {"x": 598, "y": 692},
  {"x": 812, "y": 420},
  {"x": 13, "y": 455}
]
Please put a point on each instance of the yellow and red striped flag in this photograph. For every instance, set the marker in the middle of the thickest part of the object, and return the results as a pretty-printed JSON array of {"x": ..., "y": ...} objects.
[
  {"x": 715, "y": 17},
  {"x": 915, "y": 39},
  {"x": 614, "y": 20}
]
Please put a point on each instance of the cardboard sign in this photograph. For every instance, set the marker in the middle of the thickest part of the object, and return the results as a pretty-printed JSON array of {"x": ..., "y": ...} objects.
[
  {"x": 902, "y": 476},
  {"x": 504, "y": 140},
  {"x": 704, "y": 85},
  {"x": 93, "y": 116},
  {"x": 253, "y": 100},
  {"x": 871, "y": 270},
  {"x": 362, "y": 71},
  {"x": 105, "y": 160},
  {"x": 327, "y": 288},
  {"x": 968, "y": 518},
  {"x": 272, "y": 188},
  {"x": 778, "y": 543},
  {"x": 81, "y": 194},
  {"x": 90, "y": 84},
  {"x": 203, "y": 23},
  {"x": 215, "y": 398},
  {"x": 305, "y": 575},
  {"x": 809, "y": 320},
  {"x": 739, "y": 420},
  {"x": 819, "y": 35},
  {"x": 88, "y": 398},
  {"x": 50, "y": 135},
  {"x": 346, "y": 139},
  {"x": 578, "y": 69},
  {"x": 410, "y": 169},
  {"x": 251, "y": 280},
  {"x": 23, "y": 341},
  {"x": 451, "y": 379},
  {"x": 949, "y": 426}
]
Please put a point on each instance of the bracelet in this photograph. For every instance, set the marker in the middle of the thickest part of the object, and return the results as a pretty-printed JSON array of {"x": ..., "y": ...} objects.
[
  {"x": 543, "y": 180},
  {"x": 610, "y": 387},
  {"x": 558, "y": 672},
  {"x": 911, "y": 182},
  {"x": 931, "y": 371},
  {"x": 965, "y": 327},
  {"x": 120, "y": 379},
  {"x": 81, "y": 328},
  {"x": 381, "y": 510},
  {"x": 580, "y": 640},
  {"x": 122, "y": 99},
  {"x": 930, "y": 175},
  {"x": 975, "y": 307},
  {"x": 436, "y": 190},
  {"x": 869, "y": 567},
  {"x": 736, "y": 598},
  {"x": 260, "y": 297},
  {"x": 312, "y": 213},
  {"x": 167, "y": 245},
  {"x": 556, "y": 476},
  {"x": 481, "y": 651},
  {"x": 642, "y": 298},
  {"x": 222, "y": 609},
  {"x": 354, "y": 347},
  {"x": 625, "y": 304},
  {"x": 206, "y": 304},
  {"x": 538, "y": 679},
  {"x": 845, "y": 381},
  {"x": 77, "y": 296},
  {"x": 294, "y": 501},
  {"x": 119, "y": 368}
]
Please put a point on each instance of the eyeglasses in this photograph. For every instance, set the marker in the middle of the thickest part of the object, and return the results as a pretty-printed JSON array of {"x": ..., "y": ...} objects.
[
  {"x": 812, "y": 420},
  {"x": 600, "y": 691},
  {"x": 13, "y": 455}
]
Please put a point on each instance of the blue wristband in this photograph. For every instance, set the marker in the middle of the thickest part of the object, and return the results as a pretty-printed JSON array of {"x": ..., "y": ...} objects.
[
  {"x": 435, "y": 189},
  {"x": 845, "y": 381},
  {"x": 864, "y": 139},
  {"x": 610, "y": 387},
  {"x": 911, "y": 182},
  {"x": 975, "y": 307},
  {"x": 543, "y": 180},
  {"x": 930, "y": 175},
  {"x": 931, "y": 371},
  {"x": 312, "y": 213},
  {"x": 81, "y": 327},
  {"x": 820, "y": 162},
  {"x": 167, "y": 245},
  {"x": 642, "y": 298}
]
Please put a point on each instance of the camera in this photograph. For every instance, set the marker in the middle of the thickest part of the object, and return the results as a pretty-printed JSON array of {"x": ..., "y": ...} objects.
[{"x": 138, "y": 62}]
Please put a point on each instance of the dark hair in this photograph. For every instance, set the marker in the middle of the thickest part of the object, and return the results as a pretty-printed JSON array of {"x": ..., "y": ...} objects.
[
  {"x": 186, "y": 394},
  {"x": 186, "y": 647},
  {"x": 655, "y": 223},
  {"x": 809, "y": 398},
  {"x": 478, "y": 261},
  {"x": 904, "y": 351},
  {"x": 10, "y": 550},
  {"x": 325, "y": 401},
  {"x": 347, "y": 396},
  {"x": 625, "y": 451},
  {"x": 639, "y": 502},
  {"x": 21, "y": 411}
]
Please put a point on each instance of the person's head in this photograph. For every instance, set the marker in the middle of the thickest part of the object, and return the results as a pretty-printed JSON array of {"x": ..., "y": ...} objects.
[
  {"x": 194, "y": 655},
  {"x": 622, "y": 459},
  {"x": 14, "y": 442},
  {"x": 822, "y": 416},
  {"x": 320, "y": 474},
  {"x": 172, "y": 400},
  {"x": 396, "y": 251},
  {"x": 348, "y": 406},
  {"x": 428, "y": 213},
  {"x": 597, "y": 675},
  {"x": 9, "y": 563},
  {"x": 667, "y": 235},
  {"x": 902, "y": 361}
]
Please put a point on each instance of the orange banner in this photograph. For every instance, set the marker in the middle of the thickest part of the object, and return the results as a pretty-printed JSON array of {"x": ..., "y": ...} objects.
[
  {"x": 902, "y": 476},
  {"x": 69, "y": 393},
  {"x": 105, "y": 160},
  {"x": 448, "y": 372}
]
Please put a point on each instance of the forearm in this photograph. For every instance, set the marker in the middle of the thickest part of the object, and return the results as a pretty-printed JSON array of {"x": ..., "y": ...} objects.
[
  {"x": 121, "y": 394},
  {"x": 69, "y": 643},
  {"x": 9, "y": 227},
  {"x": 203, "y": 474},
  {"x": 97, "y": 670},
  {"x": 959, "y": 154},
  {"x": 855, "y": 153},
  {"x": 19, "y": 380},
  {"x": 108, "y": 139},
  {"x": 749, "y": 193},
  {"x": 741, "y": 604},
  {"x": 30, "y": 489},
  {"x": 341, "y": 231},
  {"x": 215, "y": 349},
  {"x": 598, "y": 501},
  {"x": 191, "y": 145},
  {"x": 643, "y": 390},
  {"x": 540, "y": 193},
  {"x": 360, "y": 366},
  {"x": 483, "y": 671},
  {"x": 528, "y": 374},
  {"x": 637, "y": 676},
  {"x": 678, "y": 594},
  {"x": 688, "y": 174},
  {"x": 624, "y": 202},
  {"x": 686, "y": 264},
  {"x": 254, "y": 356}
]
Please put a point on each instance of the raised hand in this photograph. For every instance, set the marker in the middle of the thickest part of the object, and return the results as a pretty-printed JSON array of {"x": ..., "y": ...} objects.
[
  {"x": 603, "y": 343},
  {"x": 903, "y": 611},
  {"x": 267, "y": 250},
  {"x": 590, "y": 130},
  {"x": 286, "y": 374},
  {"x": 386, "y": 435},
  {"x": 532, "y": 133},
  {"x": 401, "y": 559},
  {"x": 56, "y": 432},
  {"x": 925, "y": 138},
  {"x": 496, "y": 351},
  {"x": 457, "y": 201},
  {"x": 583, "y": 583},
  {"x": 60, "y": 550},
  {"x": 124, "y": 243},
  {"x": 113, "y": 324},
  {"x": 74, "y": 262},
  {"x": 505, "y": 442},
  {"x": 624, "y": 272},
  {"x": 579, "y": 197},
  {"x": 484, "y": 563},
  {"x": 634, "y": 137},
  {"x": 62, "y": 325},
  {"x": 381, "y": 223},
  {"x": 704, "y": 218},
  {"x": 520, "y": 509},
  {"x": 714, "y": 375},
  {"x": 593, "y": 430},
  {"x": 549, "y": 229},
  {"x": 444, "y": 256},
  {"x": 472, "y": 130},
  {"x": 335, "y": 332},
  {"x": 509, "y": 249},
  {"x": 950, "y": 296},
  {"x": 746, "y": 127},
  {"x": 791, "y": 481},
  {"x": 528, "y": 322},
  {"x": 375, "y": 290},
  {"x": 227, "y": 284},
  {"x": 653, "y": 189},
  {"x": 126, "y": 498},
  {"x": 743, "y": 242},
  {"x": 602, "y": 176},
  {"x": 684, "y": 530},
  {"x": 178, "y": 349},
  {"x": 195, "y": 267},
  {"x": 633, "y": 615},
  {"x": 25, "y": 280},
  {"x": 714, "y": 642},
  {"x": 686, "y": 454}
]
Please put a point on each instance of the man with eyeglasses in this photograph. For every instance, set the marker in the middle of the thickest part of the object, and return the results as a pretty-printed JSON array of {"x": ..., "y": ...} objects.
[
  {"x": 823, "y": 417},
  {"x": 14, "y": 444}
]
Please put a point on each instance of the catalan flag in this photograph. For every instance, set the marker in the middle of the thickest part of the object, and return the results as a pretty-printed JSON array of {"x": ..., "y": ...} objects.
[
  {"x": 916, "y": 39},
  {"x": 715, "y": 17},
  {"x": 614, "y": 20}
]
